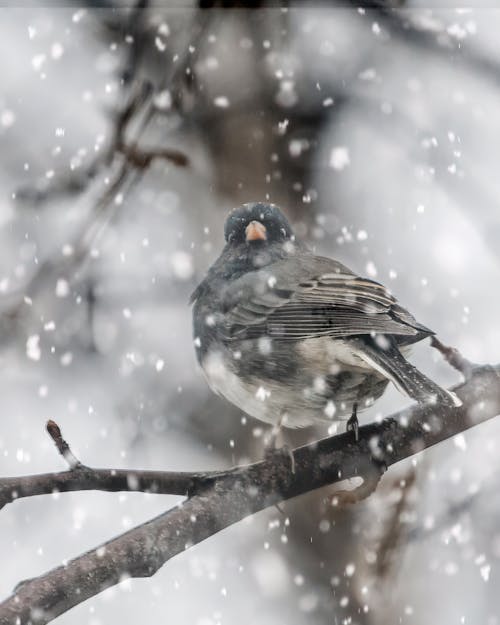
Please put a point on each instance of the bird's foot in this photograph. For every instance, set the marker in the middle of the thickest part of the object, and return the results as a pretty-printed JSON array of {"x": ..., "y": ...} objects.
[
  {"x": 371, "y": 477},
  {"x": 274, "y": 453},
  {"x": 278, "y": 454},
  {"x": 271, "y": 439},
  {"x": 353, "y": 423}
]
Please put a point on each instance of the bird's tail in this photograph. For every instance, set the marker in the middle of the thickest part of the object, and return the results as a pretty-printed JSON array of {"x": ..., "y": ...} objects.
[{"x": 408, "y": 379}]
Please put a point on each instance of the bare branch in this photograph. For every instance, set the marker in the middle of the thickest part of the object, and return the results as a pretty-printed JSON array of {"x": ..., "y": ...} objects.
[
  {"x": 82, "y": 477},
  {"x": 240, "y": 492},
  {"x": 109, "y": 480}
]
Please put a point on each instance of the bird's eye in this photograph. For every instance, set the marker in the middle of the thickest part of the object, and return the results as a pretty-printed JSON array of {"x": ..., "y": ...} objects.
[{"x": 283, "y": 232}]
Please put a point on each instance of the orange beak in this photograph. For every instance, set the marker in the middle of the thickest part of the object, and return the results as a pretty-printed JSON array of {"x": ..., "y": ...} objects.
[{"x": 255, "y": 231}]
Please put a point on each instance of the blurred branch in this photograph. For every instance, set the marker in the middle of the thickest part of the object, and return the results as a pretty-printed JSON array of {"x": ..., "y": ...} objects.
[
  {"x": 394, "y": 528},
  {"x": 399, "y": 23},
  {"x": 453, "y": 512},
  {"x": 219, "y": 500},
  {"x": 80, "y": 245},
  {"x": 134, "y": 162},
  {"x": 465, "y": 191},
  {"x": 77, "y": 181},
  {"x": 142, "y": 159},
  {"x": 139, "y": 33},
  {"x": 123, "y": 158}
]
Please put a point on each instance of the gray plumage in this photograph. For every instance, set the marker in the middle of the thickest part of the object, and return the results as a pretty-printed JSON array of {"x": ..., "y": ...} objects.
[{"x": 296, "y": 338}]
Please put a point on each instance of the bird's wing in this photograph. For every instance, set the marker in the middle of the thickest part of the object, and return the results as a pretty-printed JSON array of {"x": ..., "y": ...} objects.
[{"x": 310, "y": 297}]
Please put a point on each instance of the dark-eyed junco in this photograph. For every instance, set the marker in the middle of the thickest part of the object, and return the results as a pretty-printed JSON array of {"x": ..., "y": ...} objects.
[{"x": 296, "y": 339}]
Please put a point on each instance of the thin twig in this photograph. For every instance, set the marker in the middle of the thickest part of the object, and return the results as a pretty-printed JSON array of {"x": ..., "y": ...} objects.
[
  {"x": 62, "y": 446},
  {"x": 454, "y": 358}
]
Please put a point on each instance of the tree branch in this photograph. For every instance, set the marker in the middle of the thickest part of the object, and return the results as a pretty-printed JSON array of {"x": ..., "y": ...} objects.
[
  {"x": 81, "y": 477},
  {"x": 232, "y": 495},
  {"x": 108, "y": 480}
]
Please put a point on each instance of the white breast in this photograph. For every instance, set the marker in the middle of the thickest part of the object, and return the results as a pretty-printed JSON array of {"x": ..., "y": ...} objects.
[
  {"x": 287, "y": 402},
  {"x": 269, "y": 402},
  {"x": 251, "y": 398}
]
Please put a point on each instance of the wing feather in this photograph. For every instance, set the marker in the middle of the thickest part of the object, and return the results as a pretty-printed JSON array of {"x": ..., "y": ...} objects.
[{"x": 312, "y": 298}]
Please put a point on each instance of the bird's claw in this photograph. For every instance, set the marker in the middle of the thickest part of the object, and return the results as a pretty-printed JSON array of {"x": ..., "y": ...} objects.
[{"x": 353, "y": 423}]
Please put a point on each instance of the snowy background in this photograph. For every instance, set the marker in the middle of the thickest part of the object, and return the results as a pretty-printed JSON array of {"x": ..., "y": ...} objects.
[{"x": 379, "y": 135}]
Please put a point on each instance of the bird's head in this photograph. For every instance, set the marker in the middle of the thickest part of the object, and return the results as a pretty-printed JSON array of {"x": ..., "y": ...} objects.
[
  {"x": 258, "y": 226},
  {"x": 257, "y": 234}
]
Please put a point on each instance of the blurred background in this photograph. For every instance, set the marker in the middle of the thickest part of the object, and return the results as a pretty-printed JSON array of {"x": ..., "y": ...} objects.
[{"x": 127, "y": 132}]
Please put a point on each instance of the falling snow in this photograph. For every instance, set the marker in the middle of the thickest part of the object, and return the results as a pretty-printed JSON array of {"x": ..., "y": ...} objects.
[
  {"x": 33, "y": 347},
  {"x": 339, "y": 158},
  {"x": 379, "y": 138}
]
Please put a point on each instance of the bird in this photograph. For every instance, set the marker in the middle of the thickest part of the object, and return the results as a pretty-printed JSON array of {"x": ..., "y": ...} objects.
[{"x": 295, "y": 339}]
